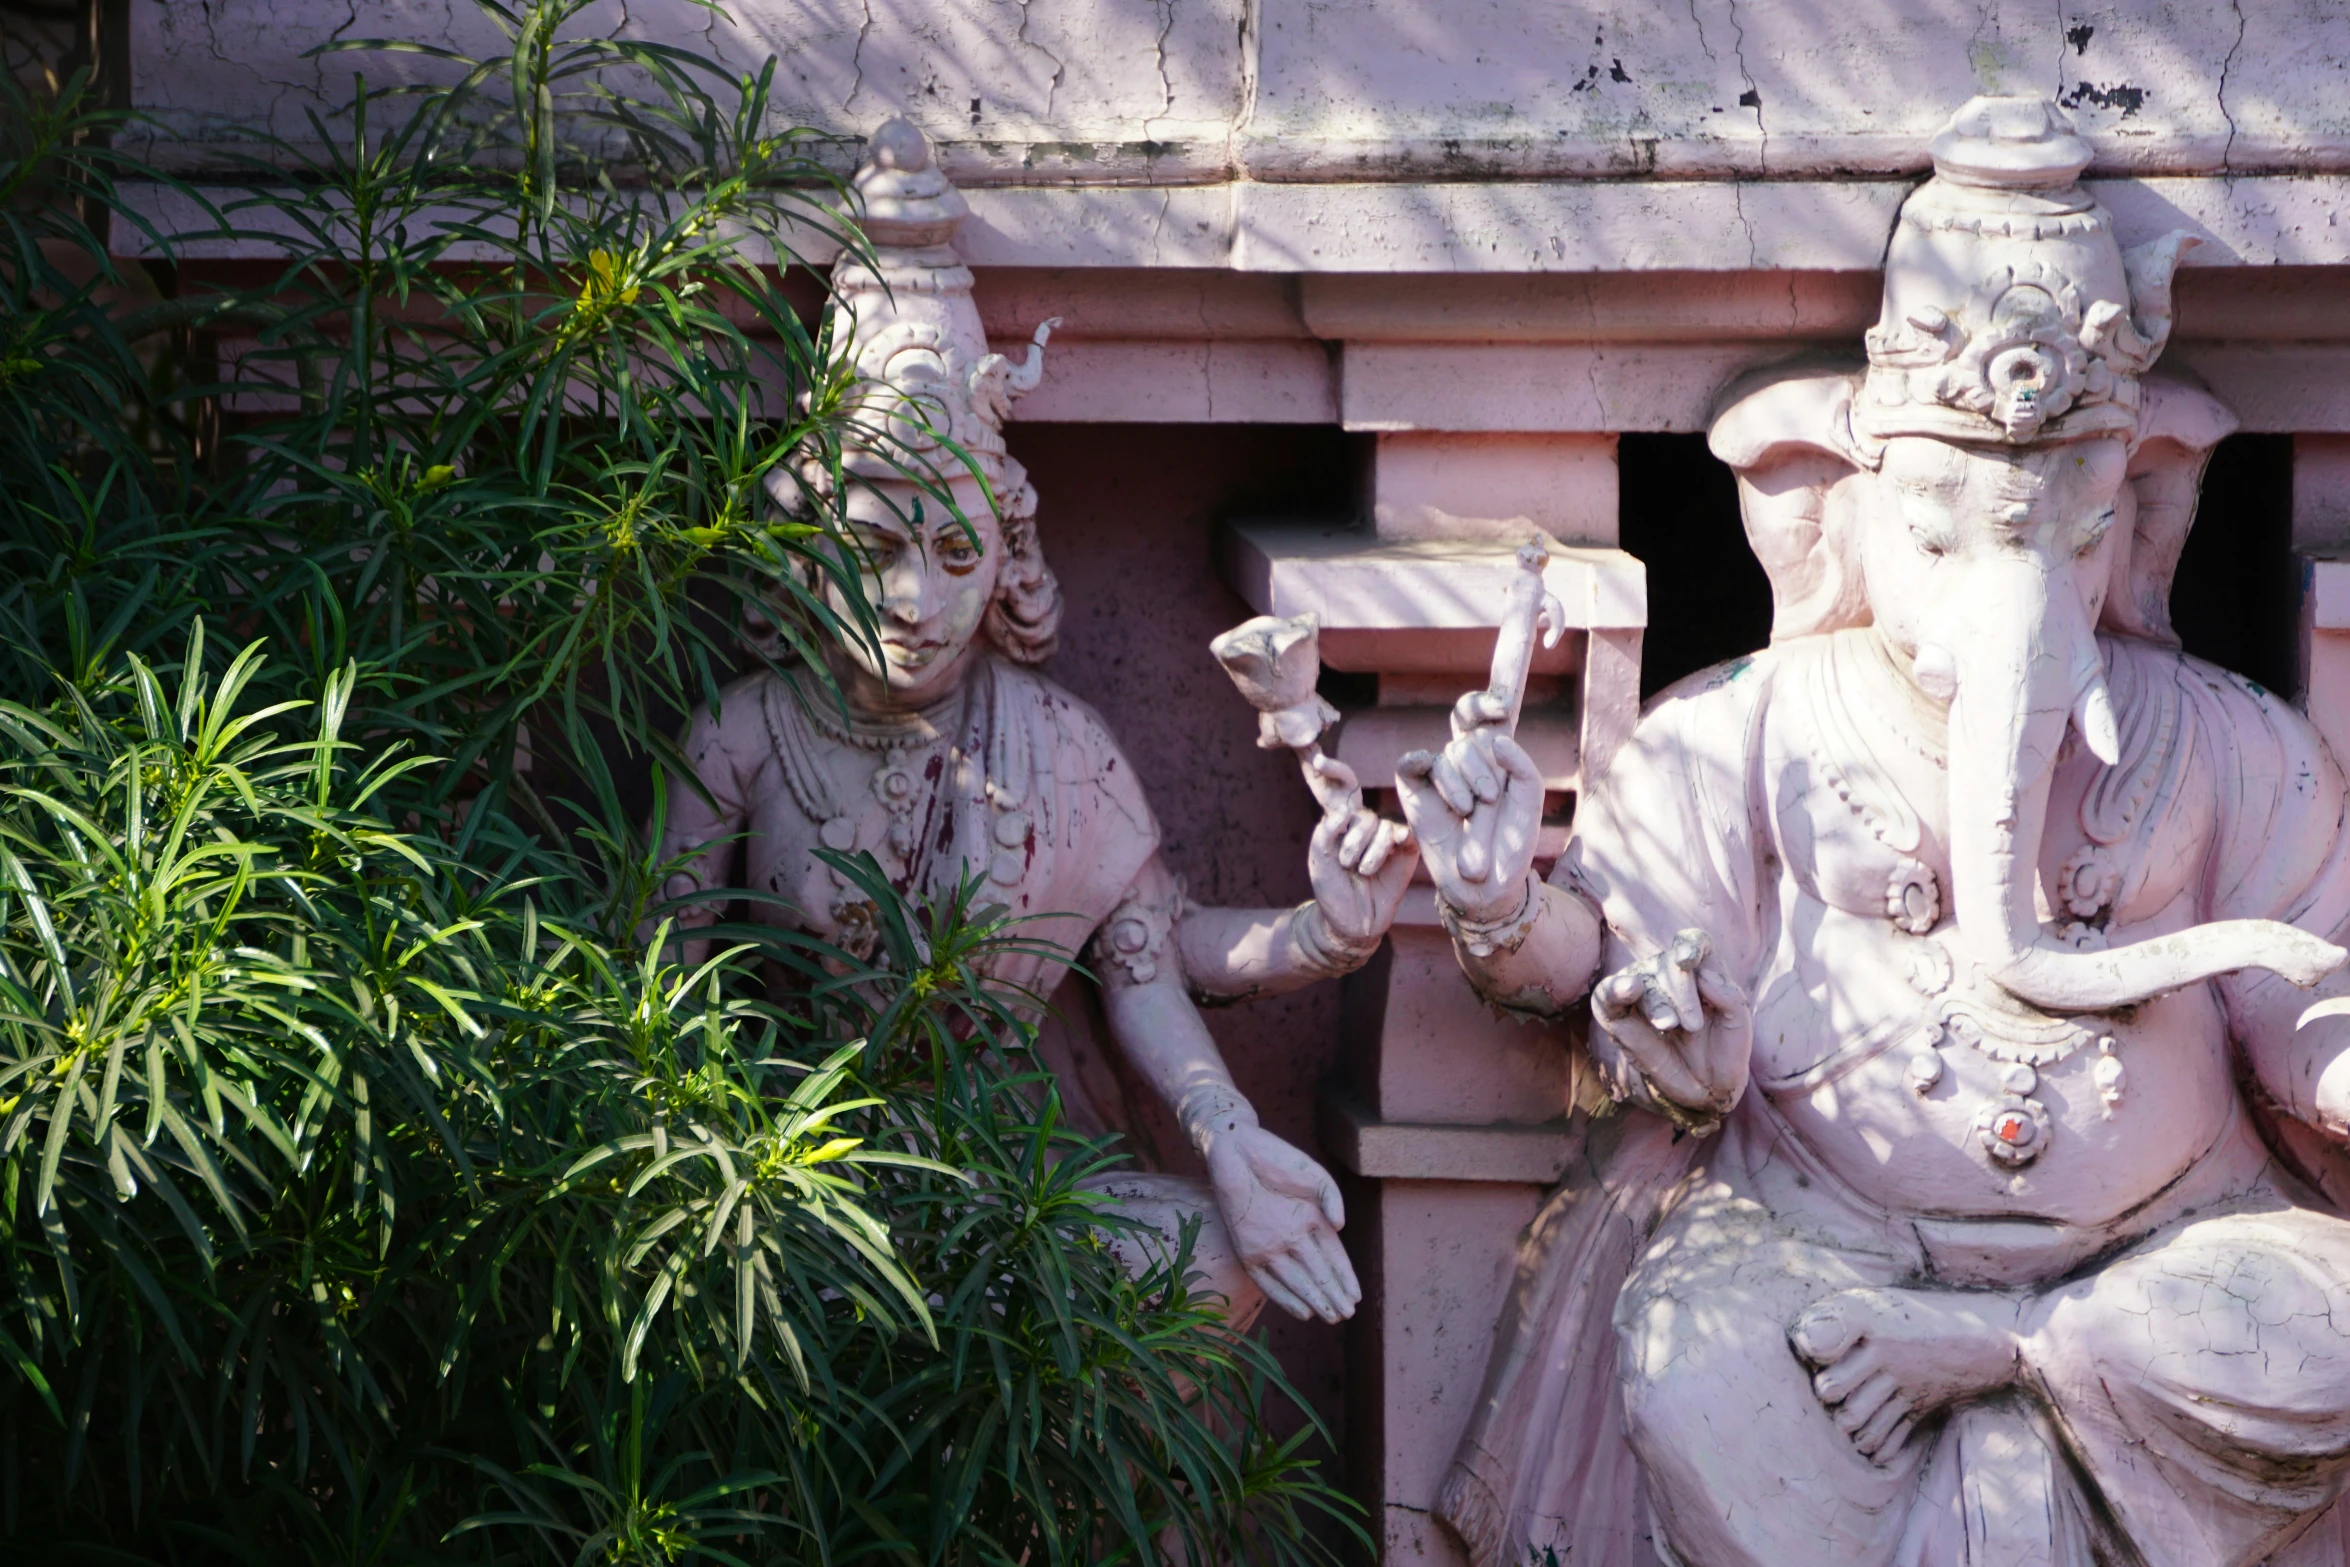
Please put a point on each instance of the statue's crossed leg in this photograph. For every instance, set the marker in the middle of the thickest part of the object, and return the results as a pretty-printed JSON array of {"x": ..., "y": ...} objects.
[{"x": 2194, "y": 1391}]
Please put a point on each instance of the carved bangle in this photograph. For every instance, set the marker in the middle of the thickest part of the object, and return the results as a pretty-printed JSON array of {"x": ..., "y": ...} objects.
[
  {"x": 1324, "y": 951},
  {"x": 1210, "y": 1109},
  {"x": 1484, "y": 938}
]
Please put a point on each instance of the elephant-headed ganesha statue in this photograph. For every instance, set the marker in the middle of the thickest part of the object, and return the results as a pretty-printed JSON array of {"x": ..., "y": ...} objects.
[{"x": 1967, "y": 956}]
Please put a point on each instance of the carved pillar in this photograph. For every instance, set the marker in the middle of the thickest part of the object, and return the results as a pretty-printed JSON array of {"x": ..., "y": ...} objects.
[
  {"x": 1448, "y": 1120},
  {"x": 2321, "y": 542}
]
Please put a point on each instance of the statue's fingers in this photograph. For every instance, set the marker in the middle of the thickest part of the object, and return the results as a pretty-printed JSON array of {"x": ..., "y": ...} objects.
[
  {"x": 1477, "y": 764},
  {"x": 1476, "y": 852},
  {"x": 1362, "y": 830},
  {"x": 1341, "y": 1266},
  {"x": 1657, "y": 1061},
  {"x": 1663, "y": 1012},
  {"x": 1376, "y": 851},
  {"x": 1301, "y": 1286},
  {"x": 1278, "y": 1292},
  {"x": 1333, "y": 1293},
  {"x": 1326, "y": 1198},
  {"x": 1513, "y": 760},
  {"x": 1451, "y": 787},
  {"x": 1614, "y": 998},
  {"x": 1340, "y": 775},
  {"x": 1395, "y": 845},
  {"x": 1413, "y": 764},
  {"x": 1476, "y": 709}
]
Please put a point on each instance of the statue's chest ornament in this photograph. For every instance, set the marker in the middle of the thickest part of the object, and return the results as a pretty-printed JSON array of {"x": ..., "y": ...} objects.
[
  {"x": 911, "y": 764},
  {"x": 1843, "y": 760},
  {"x": 2012, "y": 1126}
]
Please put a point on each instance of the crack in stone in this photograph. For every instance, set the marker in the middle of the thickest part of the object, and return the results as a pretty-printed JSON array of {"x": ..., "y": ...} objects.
[
  {"x": 1738, "y": 204},
  {"x": 857, "y": 57},
  {"x": 1159, "y": 47},
  {"x": 2227, "y": 151},
  {"x": 1751, "y": 98},
  {"x": 1060, "y": 69}
]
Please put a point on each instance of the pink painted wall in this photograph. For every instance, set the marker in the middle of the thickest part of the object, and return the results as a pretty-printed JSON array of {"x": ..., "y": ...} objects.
[{"x": 1128, "y": 517}]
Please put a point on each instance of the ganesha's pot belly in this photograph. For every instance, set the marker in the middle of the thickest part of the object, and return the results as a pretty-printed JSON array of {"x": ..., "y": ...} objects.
[{"x": 1956, "y": 1104}]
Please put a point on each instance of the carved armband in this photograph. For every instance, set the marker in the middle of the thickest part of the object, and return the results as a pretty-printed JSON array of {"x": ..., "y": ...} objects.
[
  {"x": 1323, "y": 952},
  {"x": 1135, "y": 944},
  {"x": 1484, "y": 938}
]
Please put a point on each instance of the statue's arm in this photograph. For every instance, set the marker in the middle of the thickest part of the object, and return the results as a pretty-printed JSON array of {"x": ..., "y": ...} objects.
[
  {"x": 705, "y": 814},
  {"x": 1238, "y": 954},
  {"x": 1358, "y": 865},
  {"x": 1539, "y": 957},
  {"x": 1281, "y": 1208}
]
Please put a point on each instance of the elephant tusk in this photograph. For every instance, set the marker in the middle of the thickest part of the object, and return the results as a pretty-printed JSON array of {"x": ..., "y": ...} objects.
[{"x": 2093, "y": 716}]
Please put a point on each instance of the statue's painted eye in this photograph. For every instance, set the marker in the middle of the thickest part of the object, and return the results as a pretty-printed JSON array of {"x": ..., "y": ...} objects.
[{"x": 957, "y": 554}]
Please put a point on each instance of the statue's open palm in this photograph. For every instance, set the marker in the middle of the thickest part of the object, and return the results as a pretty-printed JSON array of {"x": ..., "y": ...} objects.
[{"x": 1283, "y": 1213}]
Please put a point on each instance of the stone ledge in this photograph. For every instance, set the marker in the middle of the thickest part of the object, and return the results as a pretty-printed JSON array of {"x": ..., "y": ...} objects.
[
  {"x": 1358, "y": 582},
  {"x": 1531, "y": 227},
  {"x": 1360, "y": 1143}
]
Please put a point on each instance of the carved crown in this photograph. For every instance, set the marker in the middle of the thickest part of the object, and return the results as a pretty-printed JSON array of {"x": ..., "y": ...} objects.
[
  {"x": 2010, "y": 312},
  {"x": 906, "y": 329}
]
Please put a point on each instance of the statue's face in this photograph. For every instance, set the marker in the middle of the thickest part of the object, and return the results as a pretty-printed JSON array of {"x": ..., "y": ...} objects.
[
  {"x": 929, "y": 579},
  {"x": 1949, "y": 527}
]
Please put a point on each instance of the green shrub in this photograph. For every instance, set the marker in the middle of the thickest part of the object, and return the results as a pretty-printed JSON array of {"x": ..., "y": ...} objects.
[{"x": 373, "y": 1192}]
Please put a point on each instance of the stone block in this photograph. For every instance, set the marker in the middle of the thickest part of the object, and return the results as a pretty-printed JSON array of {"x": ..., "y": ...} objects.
[{"x": 1497, "y": 486}]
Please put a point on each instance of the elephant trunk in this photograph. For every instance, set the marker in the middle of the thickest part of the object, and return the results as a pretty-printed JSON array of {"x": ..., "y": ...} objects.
[{"x": 2019, "y": 663}]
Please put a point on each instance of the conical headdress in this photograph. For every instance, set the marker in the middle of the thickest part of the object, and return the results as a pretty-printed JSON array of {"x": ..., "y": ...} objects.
[
  {"x": 2011, "y": 314},
  {"x": 907, "y": 327}
]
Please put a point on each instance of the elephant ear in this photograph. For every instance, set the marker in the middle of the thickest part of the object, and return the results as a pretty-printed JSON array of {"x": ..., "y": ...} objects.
[
  {"x": 1786, "y": 432},
  {"x": 2178, "y": 425}
]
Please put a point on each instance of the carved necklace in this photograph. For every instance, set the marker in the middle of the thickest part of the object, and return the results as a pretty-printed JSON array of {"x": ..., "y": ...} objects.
[
  {"x": 1842, "y": 757},
  {"x": 912, "y": 753},
  {"x": 2012, "y": 1126}
]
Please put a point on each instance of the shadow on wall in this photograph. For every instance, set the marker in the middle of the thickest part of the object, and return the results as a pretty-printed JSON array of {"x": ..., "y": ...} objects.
[{"x": 2235, "y": 601}]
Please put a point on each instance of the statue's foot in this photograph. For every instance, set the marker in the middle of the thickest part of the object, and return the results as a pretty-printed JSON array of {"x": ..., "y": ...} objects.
[{"x": 1884, "y": 1359}]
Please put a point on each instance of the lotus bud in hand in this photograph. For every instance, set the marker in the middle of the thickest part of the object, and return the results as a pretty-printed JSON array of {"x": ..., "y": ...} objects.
[{"x": 1276, "y": 662}]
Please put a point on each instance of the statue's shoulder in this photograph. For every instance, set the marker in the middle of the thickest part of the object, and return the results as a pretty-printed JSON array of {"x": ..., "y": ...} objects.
[
  {"x": 1079, "y": 734},
  {"x": 2155, "y": 675},
  {"x": 1723, "y": 700},
  {"x": 1041, "y": 730}
]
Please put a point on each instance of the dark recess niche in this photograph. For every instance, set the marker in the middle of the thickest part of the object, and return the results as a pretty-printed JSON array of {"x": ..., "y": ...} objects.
[
  {"x": 1708, "y": 599},
  {"x": 2234, "y": 601}
]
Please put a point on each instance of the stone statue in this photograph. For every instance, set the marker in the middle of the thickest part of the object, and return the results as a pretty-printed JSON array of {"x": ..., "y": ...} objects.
[
  {"x": 952, "y": 757},
  {"x": 1983, "y": 1202}
]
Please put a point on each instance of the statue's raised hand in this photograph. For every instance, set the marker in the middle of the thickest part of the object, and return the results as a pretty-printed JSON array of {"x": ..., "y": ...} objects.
[
  {"x": 1358, "y": 862},
  {"x": 1683, "y": 1030},
  {"x": 1476, "y": 808}
]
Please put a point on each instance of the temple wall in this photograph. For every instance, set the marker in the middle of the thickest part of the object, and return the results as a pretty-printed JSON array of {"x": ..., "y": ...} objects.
[{"x": 1418, "y": 267}]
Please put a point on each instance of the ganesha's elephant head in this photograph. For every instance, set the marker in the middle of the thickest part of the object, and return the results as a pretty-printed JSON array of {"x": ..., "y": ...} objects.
[{"x": 2001, "y": 482}]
